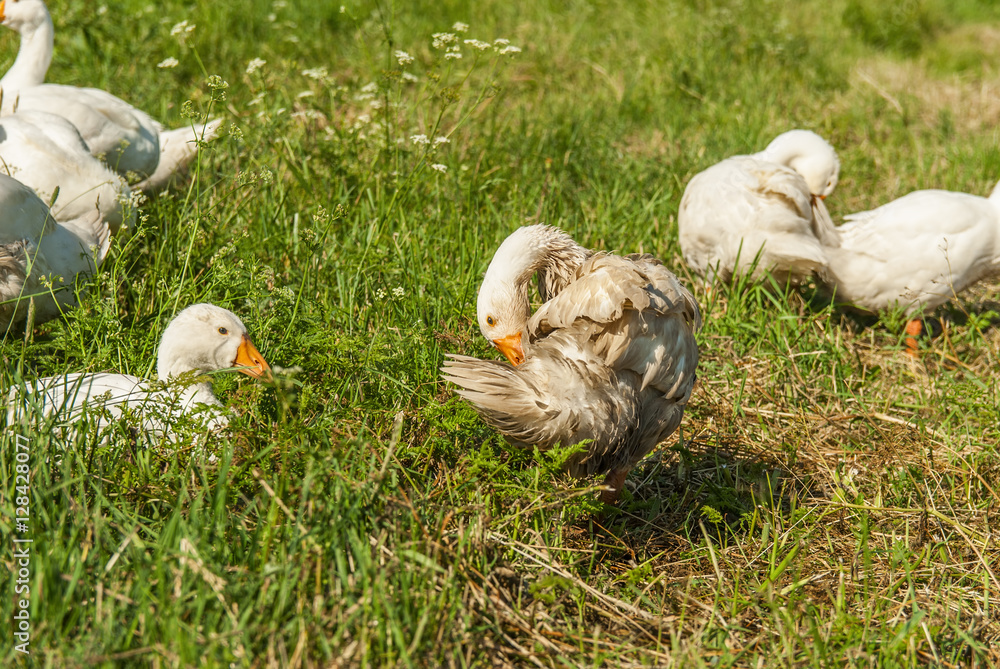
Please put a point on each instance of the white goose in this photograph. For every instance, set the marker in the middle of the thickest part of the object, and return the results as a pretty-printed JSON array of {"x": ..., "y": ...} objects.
[
  {"x": 200, "y": 340},
  {"x": 768, "y": 203},
  {"x": 610, "y": 356},
  {"x": 125, "y": 137},
  {"x": 915, "y": 253},
  {"x": 40, "y": 257},
  {"x": 46, "y": 153}
]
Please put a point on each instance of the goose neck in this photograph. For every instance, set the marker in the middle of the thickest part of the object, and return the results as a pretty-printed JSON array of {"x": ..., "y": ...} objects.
[{"x": 33, "y": 58}]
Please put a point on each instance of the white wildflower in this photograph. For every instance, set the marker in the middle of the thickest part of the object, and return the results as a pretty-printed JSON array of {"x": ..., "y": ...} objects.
[
  {"x": 317, "y": 73},
  {"x": 441, "y": 140},
  {"x": 441, "y": 40},
  {"x": 409, "y": 78},
  {"x": 310, "y": 114},
  {"x": 460, "y": 27},
  {"x": 305, "y": 94},
  {"x": 134, "y": 199},
  {"x": 361, "y": 121},
  {"x": 380, "y": 294},
  {"x": 371, "y": 87},
  {"x": 376, "y": 104},
  {"x": 272, "y": 17},
  {"x": 453, "y": 55},
  {"x": 182, "y": 30},
  {"x": 181, "y": 27},
  {"x": 102, "y": 10},
  {"x": 479, "y": 45},
  {"x": 419, "y": 139},
  {"x": 294, "y": 39},
  {"x": 255, "y": 64},
  {"x": 168, "y": 62},
  {"x": 398, "y": 292},
  {"x": 403, "y": 58},
  {"x": 439, "y": 167},
  {"x": 214, "y": 81},
  {"x": 500, "y": 41},
  {"x": 510, "y": 50},
  {"x": 343, "y": 9}
]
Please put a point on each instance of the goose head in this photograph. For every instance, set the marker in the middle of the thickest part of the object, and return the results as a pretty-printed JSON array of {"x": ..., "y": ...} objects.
[
  {"x": 207, "y": 338},
  {"x": 811, "y": 156},
  {"x": 503, "y": 306},
  {"x": 24, "y": 16}
]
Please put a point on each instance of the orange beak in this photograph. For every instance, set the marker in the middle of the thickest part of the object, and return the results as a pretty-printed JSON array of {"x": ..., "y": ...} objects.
[
  {"x": 249, "y": 359},
  {"x": 510, "y": 346},
  {"x": 3, "y": 6}
]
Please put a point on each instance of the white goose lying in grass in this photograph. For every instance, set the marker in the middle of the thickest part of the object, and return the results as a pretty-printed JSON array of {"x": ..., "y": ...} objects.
[
  {"x": 46, "y": 153},
  {"x": 610, "y": 356},
  {"x": 125, "y": 137},
  {"x": 768, "y": 203},
  {"x": 200, "y": 340},
  {"x": 40, "y": 257},
  {"x": 915, "y": 253}
]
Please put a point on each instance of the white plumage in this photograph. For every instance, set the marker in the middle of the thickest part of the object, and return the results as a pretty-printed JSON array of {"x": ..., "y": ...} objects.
[
  {"x": 916, "y": 252},
  {"x": 767, "y": 204},
  {"x": 41, "y": 258},
  {"x": 127, "y": 138},
  {"x": 46, "y": 153},
  {"x": 201, "y": 339}
]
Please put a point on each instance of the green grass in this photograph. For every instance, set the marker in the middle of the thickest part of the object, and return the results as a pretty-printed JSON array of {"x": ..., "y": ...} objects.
[{"x": 827, "y": 502}]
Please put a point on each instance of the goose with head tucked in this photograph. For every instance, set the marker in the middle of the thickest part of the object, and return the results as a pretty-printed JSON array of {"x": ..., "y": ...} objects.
[
  {"x": 200, "y": 340},
  {"x": 126, "y": 138},
  {"x": 915, "y": 253},
  {"x": 765, "y": 207},
  {"x": 40, "y": 257},
  {"x": 609, "y": 357}
]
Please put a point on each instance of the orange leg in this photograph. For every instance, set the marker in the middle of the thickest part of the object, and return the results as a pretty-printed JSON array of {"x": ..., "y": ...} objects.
[
  {"x": 913, "y": 330},
  {"x": 616, "y": 481}
]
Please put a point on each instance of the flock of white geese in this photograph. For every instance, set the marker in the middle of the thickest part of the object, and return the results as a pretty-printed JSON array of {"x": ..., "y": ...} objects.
[
  {"x": 67, "y": 156},
  {"x": 609, "y": 357}
]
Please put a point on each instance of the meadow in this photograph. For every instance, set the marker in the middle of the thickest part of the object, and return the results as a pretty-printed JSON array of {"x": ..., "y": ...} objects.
[{"x": 828, "y": 500}]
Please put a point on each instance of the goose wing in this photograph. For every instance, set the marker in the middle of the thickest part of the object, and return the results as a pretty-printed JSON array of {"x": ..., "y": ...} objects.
[
  {"x": 125, "y": 137},
  {"x": 33, "y": 245},
  {"x": 105, "y": 399},
  {"x": 745, "y": 205},
  {"x": 548, "y": 399},
  {"x": 918, "y": 250}
]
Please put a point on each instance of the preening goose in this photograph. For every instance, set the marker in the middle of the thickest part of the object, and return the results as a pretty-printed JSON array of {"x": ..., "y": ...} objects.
[
  {"x": 609, "y": 356},
  {"x": 46, "y": 153},
  {"x": 768, "y": 203},
  {"x": 40, "y": 257},
  {"x": 916, "y": 252},
  {"x": 125, "y": 137},
  {"x": 201, "y": 339}
]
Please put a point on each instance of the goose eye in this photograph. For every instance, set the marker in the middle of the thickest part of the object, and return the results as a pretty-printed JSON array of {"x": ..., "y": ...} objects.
[
  {"x": 223, "y": 331},
  {"x": 490, "y": 321}
]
